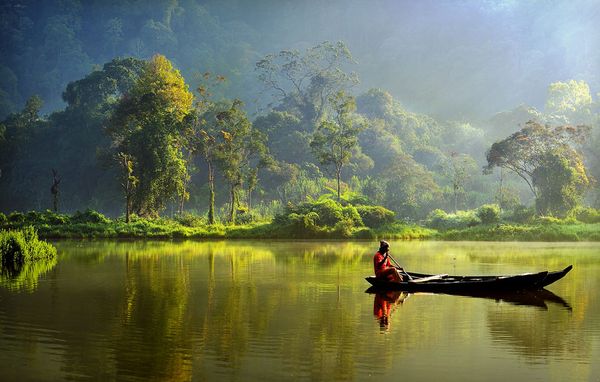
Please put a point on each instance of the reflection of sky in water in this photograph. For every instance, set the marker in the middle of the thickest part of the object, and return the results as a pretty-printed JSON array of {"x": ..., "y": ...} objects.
[{"x": 281, "y": 310}]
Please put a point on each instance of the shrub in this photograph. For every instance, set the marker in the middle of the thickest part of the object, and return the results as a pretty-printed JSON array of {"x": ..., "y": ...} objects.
[
  {"x": 329, "y": 211},
  {"x": 89, "y": 216},
  {"x": 521, "y": 214},
  {"x": 2, "y": 219},
  {"x": 16, "y": 218},
  {"x": 20, "y": 246},
  {"x": 375, "y": 216},
  {"x": 489, "y": 213},
  {"x": 441, "y": 220},
  {"x": 343, "y": 228},
  {"x": 586, "y": 215},
  {"x": 190, "y": 220}
]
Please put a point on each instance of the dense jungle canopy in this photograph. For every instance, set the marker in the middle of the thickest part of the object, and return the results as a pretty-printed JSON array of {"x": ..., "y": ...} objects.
[{"x": 225, "y": 107}]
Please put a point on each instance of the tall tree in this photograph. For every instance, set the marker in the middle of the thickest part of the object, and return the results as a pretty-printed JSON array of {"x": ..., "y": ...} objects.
[
  {"x": 205, "y": 133},
  {"x": 458, "y": 168},
  {"x": 336, "y": 139},
  {"x": 150, "y": 125},
  {"x": 305, "y": 81},
  {"x": 561, "y": 180},
  {"x": 241, "y": 149}
]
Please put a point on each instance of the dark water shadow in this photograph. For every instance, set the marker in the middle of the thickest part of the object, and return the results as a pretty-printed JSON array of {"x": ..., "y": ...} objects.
[{"x": 535, "y": 298}]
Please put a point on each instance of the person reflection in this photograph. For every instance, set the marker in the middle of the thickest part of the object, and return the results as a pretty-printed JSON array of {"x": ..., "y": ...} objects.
[{"x": 383, "y": 305}]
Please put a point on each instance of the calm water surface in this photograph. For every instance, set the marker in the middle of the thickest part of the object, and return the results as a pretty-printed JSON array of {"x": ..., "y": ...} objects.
[{"x": 255, "y": 311}]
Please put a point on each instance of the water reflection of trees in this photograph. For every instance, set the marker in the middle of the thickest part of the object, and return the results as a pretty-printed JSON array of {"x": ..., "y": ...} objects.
[
  {"x": 187, "y": 310},
  {"x": 25, "y": 276}
]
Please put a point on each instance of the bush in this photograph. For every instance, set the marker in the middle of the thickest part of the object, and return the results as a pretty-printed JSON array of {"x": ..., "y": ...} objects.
[
  {"x": 16, "y": 218},
  {"x": 329, "y": 212},
  {"x": 89, "y": 216},
  {"x": 489, "y": 213},
  {"x": 375, "y": 216},
  {"x": 20, "y": 246},
  {"x": 190, "y": 220},
  {"x": 441, "y": 220},
  {"x": 586, "y": 215},
  {"x": 3, "y": 219},
  {"x": 521, "y": 214}
]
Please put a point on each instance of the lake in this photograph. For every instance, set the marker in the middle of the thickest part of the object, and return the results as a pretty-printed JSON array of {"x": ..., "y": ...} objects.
[{"x": 281, "y": 310}]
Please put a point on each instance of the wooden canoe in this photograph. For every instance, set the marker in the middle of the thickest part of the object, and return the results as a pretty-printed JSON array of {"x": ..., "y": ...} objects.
[{"x": 472, "y": 284}]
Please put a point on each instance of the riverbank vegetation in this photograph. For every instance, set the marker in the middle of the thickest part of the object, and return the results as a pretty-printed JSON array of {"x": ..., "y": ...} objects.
[{"x": 323, "y": 219}]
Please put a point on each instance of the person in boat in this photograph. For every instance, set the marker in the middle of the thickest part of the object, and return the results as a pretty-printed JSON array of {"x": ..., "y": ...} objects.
[{"x": 383, "y": 267}]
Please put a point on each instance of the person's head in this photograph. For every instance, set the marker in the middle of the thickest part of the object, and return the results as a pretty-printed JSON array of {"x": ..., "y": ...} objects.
[{"x": 384, "y": 246}]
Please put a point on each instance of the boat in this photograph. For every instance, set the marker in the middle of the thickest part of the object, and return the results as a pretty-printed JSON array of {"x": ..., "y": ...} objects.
[{"x": 443, "y": 283}]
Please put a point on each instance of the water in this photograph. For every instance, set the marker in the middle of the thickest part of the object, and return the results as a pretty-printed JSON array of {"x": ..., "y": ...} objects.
[{"x": 256, "y": 311}]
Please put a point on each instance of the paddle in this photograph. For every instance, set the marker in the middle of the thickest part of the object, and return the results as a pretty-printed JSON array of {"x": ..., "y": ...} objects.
[{"x": 398, "y": 266}]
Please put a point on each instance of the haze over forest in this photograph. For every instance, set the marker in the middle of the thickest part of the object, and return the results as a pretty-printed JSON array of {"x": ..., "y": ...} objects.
[{"x": 452, "y": 78}]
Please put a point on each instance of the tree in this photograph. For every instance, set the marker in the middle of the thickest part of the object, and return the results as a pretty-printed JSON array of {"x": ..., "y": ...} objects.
[
  {"x": 305, "y": 82},
  {"x": 205, "y": 134},
  {"x": 458, "y": 167},
  {"x": 240, "y": 150},
  {"x": 532, "y": 150},
  {"x": 54, "y": 189},
  {"x": 128, "y": 181},
  {"x": 150, "y": 125},
  {"x": 335, "y": 139},
  {"x": 571, "y": 99},
  {"x": 561, "y": 182}
]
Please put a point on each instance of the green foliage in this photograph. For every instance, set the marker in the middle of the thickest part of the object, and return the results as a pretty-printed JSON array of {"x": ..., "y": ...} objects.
[
  {"x": 375, "y": 216},
  {"x": 441, "y": 220},
  {"x": 89, "y": 216},
  {"x": 586, "y": 214},
  {"x": 336, "y": 139},
  {"x": 549, "y": 231},
  {"x": 190, "y": 220},
  {"x": 561, "y": 184},
  {"x": 148, "y": 126},
  {"x": 489, "y": 213},
  {"x": 21, "y": 246},
  {"x": 545, "y": 159},
  {"x": 521, "y": 214}
]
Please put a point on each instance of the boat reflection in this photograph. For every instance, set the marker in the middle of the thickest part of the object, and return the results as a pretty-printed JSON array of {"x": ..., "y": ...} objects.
[{"x": 536, "y": 298}]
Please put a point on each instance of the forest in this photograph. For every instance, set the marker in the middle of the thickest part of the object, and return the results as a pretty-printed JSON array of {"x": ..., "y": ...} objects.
[{"x": 198, "y": 114}]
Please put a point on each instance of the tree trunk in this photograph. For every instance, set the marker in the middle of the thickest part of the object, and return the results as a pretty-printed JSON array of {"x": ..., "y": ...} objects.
[
  {"x": 211, "y": 196},
  {"x": 455, "y": 198},
  {"x": 233, "y": 200},
  {"x": 127, "y": 208},
  {"x": 338, "y": 174}
]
